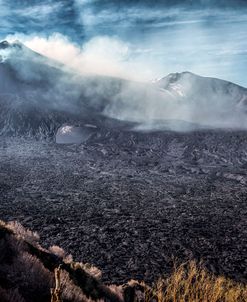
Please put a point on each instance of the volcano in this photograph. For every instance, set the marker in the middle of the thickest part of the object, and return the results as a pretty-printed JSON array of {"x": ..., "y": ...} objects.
[
  {"x": 124, "y": 175},
  {"x": 39, "y": 95}
]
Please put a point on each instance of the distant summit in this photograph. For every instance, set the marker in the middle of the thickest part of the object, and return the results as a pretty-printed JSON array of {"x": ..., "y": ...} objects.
[
  {"x": 4, "y": 44},
  {"x": 6, "y": 48},
  {"x": 16, "y": 50},
  {"x": 206, "y": 91},
  {"x": 14, "y": 45}
]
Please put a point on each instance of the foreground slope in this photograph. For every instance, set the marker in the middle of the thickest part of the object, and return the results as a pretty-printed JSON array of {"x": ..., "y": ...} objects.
[
  {"x": 29, "y": 273},
  {"x": 128, "y": 202}
]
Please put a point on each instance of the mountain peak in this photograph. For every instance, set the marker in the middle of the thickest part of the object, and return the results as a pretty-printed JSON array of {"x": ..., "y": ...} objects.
[
  {"x": 176, "y": 77},
  {"x": 17, "y": 50},
  {"x": 173, "y": 77},
  {"x": 4, "y": 44},
  {"x": 10, "y": 45}
]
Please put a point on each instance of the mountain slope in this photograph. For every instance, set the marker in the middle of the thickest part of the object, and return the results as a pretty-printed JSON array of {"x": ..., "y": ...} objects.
[
  {"x": 187, "y": 86},
  {"x": 30, "y": 273},
  {"x": 39, "y": 95},
  {"x": 183, "y": 101},
  {"x": 207, "y": 100}
]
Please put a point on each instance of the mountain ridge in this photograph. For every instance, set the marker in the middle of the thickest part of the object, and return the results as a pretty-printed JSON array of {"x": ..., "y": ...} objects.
[{"x": 34, "y": 83}]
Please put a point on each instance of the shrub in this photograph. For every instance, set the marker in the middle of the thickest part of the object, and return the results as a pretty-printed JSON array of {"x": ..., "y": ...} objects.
[{"x": 191, "y": 282}]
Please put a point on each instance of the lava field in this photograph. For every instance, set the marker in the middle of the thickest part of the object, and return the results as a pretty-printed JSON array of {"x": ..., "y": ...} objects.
[{"x": 133, "y": 203}]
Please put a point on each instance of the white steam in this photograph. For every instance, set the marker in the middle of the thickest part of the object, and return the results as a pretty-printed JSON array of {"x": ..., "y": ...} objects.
[{"x": 102, "y": 55}]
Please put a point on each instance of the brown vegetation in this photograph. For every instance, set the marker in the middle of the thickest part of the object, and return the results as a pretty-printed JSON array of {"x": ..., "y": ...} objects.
[
  {"x": 192, "y": 283},
  {"x": 30, "y": 273}
]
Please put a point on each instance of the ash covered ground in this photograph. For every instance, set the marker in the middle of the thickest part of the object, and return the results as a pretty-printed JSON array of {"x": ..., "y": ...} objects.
[{"x": 131, "y": 202}]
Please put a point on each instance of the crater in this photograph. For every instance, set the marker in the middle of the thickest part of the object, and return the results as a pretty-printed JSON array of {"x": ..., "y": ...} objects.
[{"x": 69, "y": 134}]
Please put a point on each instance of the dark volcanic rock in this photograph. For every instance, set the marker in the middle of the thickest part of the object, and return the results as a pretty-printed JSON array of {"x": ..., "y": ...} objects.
[{"x": 130, "y": 202}]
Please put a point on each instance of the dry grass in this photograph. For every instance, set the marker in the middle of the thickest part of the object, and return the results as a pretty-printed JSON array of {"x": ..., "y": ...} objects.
[
  {"x": 56, "y": 292},
  {"x": 27, "y": 274},
  {"x": 192, "y": 283}
]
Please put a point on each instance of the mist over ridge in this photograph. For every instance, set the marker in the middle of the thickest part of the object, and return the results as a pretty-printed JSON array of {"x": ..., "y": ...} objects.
[{"x": 37, "y": 87}]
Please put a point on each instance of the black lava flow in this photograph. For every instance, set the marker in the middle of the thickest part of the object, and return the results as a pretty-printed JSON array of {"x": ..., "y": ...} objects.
[{"x": 133, "y": 203}]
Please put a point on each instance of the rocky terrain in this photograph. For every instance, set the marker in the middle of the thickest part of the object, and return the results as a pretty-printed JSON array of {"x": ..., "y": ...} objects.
[
  {"x": 130, "y": 202},
  {"x": 147, "y": 182}
]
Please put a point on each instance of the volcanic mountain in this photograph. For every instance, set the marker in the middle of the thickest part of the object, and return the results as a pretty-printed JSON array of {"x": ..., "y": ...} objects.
[
  {"x": 39, "y": 95},
  {"x": 206, "y": 96},
  {"x": 134, "y": 195}
]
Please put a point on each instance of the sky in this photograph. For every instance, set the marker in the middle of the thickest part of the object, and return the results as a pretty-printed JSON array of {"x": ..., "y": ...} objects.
[{"x": 142, "y": 40}]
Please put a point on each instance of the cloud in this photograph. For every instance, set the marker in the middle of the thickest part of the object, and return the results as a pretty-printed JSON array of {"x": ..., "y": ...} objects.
[
  {"x": 148, "y": 14},
  {"x": 100, "y": 55},
  {"x": 48, "y": 16},
  {"x": 202, "y": 50},
  {"x": 201, "y": 38},
  {"x": 141, "y": 40},
  {"x": 39, "y": 11}
]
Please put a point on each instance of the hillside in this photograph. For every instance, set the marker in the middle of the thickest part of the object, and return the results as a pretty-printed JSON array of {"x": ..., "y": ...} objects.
[
  {"x": 38, "y": 95},
  {"x": 30, "y": 273},
  {"x": 138, "y": 198},
  {"x": 123, "y": 175}
]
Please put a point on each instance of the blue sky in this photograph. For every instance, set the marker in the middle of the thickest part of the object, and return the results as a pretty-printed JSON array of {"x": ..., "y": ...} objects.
[{"x": 137, "y": 39}]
